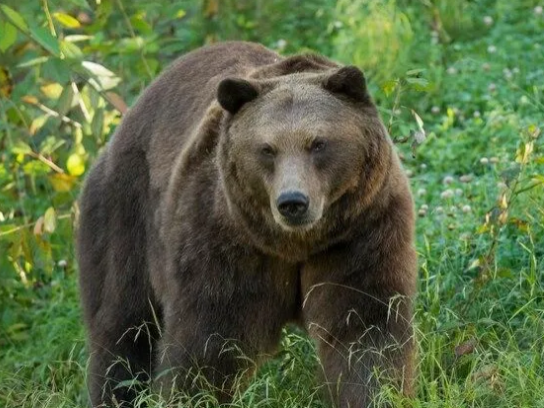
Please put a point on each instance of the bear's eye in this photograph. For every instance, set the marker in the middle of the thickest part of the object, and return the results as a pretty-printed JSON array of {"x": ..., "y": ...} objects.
[
  {"x": 318, "y": 145},
  {"x": 268, "y": 151}
]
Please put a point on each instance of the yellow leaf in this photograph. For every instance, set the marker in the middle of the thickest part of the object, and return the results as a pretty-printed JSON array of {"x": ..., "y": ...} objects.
[
  {"x": 37, "y": 123},
  {"x": 524, "y": 152},
  {"x": 75, "y": 165},
  {"x": 62, "y": 182},
  {"x": 49, "y": 220},
  {"x": 52, "y": 90},
  {"x": 38, "y": 227},
  {"x": 30, "y": 99},
  {"x": 6, "y": 83},
  {"x": 503, "y": 202},
  {"x": 66, "y": 20}
]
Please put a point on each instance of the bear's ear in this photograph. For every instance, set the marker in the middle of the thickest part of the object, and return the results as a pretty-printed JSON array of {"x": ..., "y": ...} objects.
[
  {"x": 348, "y": 81},
  {"x": 233, "y": 93}
]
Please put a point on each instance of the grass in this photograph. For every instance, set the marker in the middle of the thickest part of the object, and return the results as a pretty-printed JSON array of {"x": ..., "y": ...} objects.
[{"x": 477, "y": 181}]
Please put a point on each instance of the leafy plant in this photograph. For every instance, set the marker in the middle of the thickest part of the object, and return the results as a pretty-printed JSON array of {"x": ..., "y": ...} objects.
[{"x": 466, "y": 75}]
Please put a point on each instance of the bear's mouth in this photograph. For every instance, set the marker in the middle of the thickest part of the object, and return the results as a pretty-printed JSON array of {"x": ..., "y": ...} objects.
[{"x": 295, "y": 224}]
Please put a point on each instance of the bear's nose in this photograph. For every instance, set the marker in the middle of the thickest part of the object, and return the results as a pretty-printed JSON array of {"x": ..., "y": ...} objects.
[{"x": 292, "y": 204}]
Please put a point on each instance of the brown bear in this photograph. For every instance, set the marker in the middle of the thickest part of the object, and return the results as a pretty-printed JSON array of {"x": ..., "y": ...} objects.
[{"x": 245, "y": 191}]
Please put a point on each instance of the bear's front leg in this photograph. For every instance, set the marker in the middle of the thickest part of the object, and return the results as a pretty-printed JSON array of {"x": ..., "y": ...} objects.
[
  {"x": 220, "y": 320},
  {"x": 196, "y": 355},
  {"x": 361, "y": 320}
]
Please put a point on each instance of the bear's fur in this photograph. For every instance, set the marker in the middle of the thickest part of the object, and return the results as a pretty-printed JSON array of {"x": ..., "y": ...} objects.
[{"x": 244, "y": 191}]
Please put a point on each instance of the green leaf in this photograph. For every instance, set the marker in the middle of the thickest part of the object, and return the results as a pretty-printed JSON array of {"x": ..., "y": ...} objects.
[
  {"x": 138, "y": 23},
  {"x": 57, "y": 70},
  {"x": 67, "y": 20},
  {"x": 419, "y": 84},
  {"x": 415, "y": 72},
  {"x": 33, "y": 61},
  {"x": 65, "y": 100},
  {"x": 70, "y": 50},
  {"x": 43, "y": 37},
  {"x": 21, "y": 148},
  {"x": 97, "y": 125},
  {"x": 8, "y": 37},
  {"x": 15, "y": 18},
  {"x": 50, "y": 144},
  {"x": 510, "y": 174}
]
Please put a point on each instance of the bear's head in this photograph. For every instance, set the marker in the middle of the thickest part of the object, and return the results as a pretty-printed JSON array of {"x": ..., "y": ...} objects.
[{"x": 301, "y": 156}]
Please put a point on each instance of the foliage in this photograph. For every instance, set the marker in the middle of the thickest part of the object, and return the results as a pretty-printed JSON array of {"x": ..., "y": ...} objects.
[
  {"x": 461, "y": 81},
  {"x": 377, "y": 25}
]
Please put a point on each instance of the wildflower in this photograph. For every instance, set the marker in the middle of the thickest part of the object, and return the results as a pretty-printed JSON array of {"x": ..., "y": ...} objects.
[
  {"x": 466, "y": 209},
  {"x": 477, "y": 114},
  {"x": 488, "y": 20},
  {"x": 458, "y": 192},
  {"x": 423, "y": 166},
  {"x": 419, "y": 136},
  {"x": 424, "y": 207},
  {"x": 447, "y": 180},
  {"x": 538, "y": 10},
  {"x": 422, "y": 213},
  {"x": 494, "y": 160},
  {"x": 484, "y": 160},
  {"x": 451, "y": 71},
  {"x": 465, "y": 178},
  {"x": 486, "y": 66},
  {"x": 447, "y": 194},
  {"x": 491, "y": 49},
  {"x": 281, "y": 44},
  {"x": 492, "y": 87},
  {"x": 439, "y": 210},
  {"x": 435, "y": 110},
  {"x": 421, "y": 192},
  {"x": 62, "y": 263}
]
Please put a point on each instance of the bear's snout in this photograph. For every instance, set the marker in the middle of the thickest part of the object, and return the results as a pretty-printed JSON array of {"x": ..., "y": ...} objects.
[{"x": 293, "y": 205}]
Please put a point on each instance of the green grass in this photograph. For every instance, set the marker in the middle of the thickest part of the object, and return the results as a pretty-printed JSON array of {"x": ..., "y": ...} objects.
[{"x": 477, "y": 181}]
